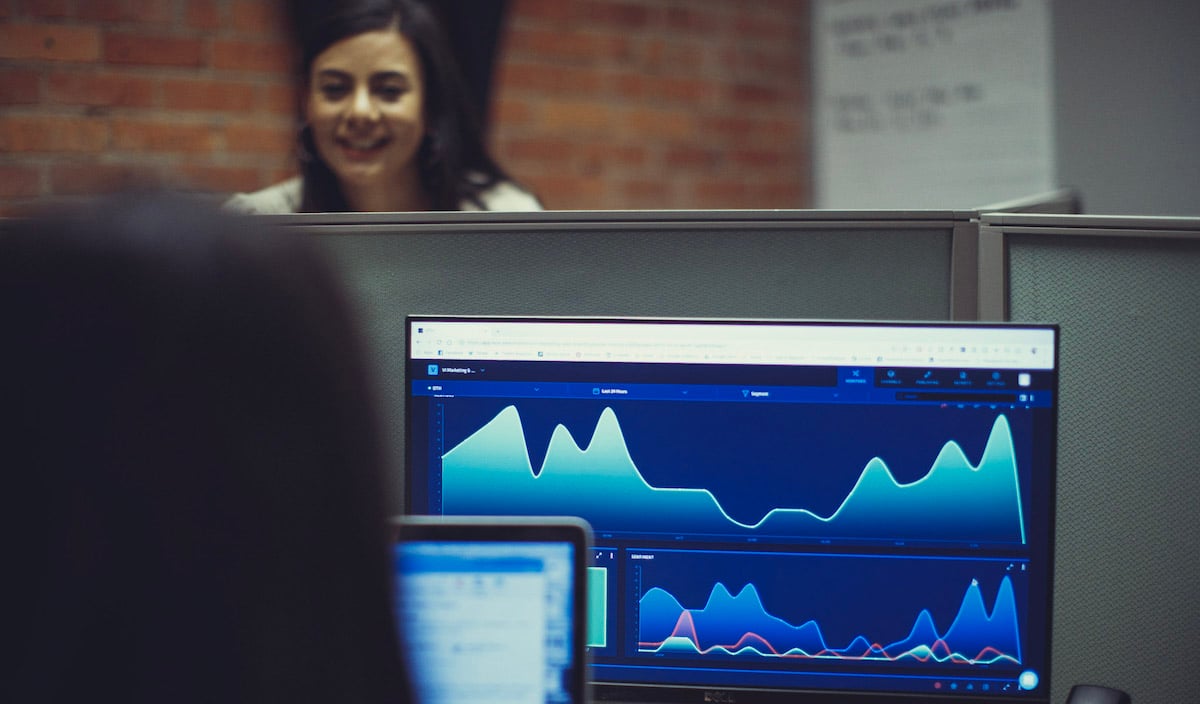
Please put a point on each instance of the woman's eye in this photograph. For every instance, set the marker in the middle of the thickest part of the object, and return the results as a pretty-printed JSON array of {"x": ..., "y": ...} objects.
[
  {"x": 333, "y": 91},
  {"x": 390, "y": 93}
]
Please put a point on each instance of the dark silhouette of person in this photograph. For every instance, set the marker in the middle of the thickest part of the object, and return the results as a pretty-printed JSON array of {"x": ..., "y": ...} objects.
[{"x": 193, "y": 475}]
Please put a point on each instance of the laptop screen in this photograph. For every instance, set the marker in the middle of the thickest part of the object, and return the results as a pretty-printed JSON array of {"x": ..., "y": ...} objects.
[
  {"x": 790, "y": 510},
  {"x": 489, "y": 610}
]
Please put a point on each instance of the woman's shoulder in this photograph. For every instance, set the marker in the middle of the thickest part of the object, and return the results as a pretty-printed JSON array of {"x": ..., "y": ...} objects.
[
  {"x": 273, "y": 200},
  {"x": 505, "y": 196}
]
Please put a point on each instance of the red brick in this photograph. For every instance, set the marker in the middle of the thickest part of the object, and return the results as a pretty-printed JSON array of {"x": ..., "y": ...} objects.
[
  {"x": 578, "y": 47},
  {"x": 755, "y": 94},
  {"x": 734, "y": 126},
  {"x": 557, "y": 11},
  {"x": 227, "y": 96},
  {"x": 791, "y": 128},
  {"x": 52, "y": 134},
  {"x": 668, "y": 57},
  {"x": 768, "y": 64},
  {"x": 18, "y": 87},
  {"x": 153, "y": 50},
  {"x": 45, "y": 9},
  {"x": 256, "y": 18},
  {"x": 222, "y": 179},
  {"x": 576, "y": 116},
  {"x": 243, "y": 138},
  {"x": 655, "y": 123},
  {"x": 156, "y": 12},
  {"x": 759, "y": 130},
  {"x": 771, "y": 27},
  {"x": 780, "y": 195},
  {"x": 507, "y": 113},
  {"x": 630, "y": 86},
  {"x": 94, "y": 178},
  {"x": 49, "y": 42},
  {"x": 568, "y": 192},
  {"x": 161, "y": 12},
  {"x": 691, "y": 91},
  {"x": 693, "y": 157},
  {"x": 101, "y": 10},
  {"x": 722, "y": 112},
  {"x": 547, "y": 78},
  {"x": 624, "y": 155},
  {"x": 203, "y": 14},
  {"x": 720, "y": 194},
  {"x": 758, "y": 158},
  {"x": 647, "y": 193},
  {"x": 693, "y": 20},
  {"x": 278, "y": 98},
  {"x": 18, "y": 181},
  {"x": 99, "y": 89},
  {"x": 157, "y": 136},
  {"x": 262, "y": 57},
  {"x": 536, "y": 149},
  {"x": 622, "y": 15}
]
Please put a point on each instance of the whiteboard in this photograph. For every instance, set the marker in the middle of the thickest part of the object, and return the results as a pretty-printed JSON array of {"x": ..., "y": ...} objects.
[{"x": 931, "y": 103}]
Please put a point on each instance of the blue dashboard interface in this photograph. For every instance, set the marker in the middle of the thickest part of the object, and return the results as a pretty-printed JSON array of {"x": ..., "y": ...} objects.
[{"x": 785, "y": 506}]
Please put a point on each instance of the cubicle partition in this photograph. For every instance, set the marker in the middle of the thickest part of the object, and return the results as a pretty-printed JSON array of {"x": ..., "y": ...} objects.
[
  {"x": 761, "y": 264},
  {"x": 1126, "y": 292}
]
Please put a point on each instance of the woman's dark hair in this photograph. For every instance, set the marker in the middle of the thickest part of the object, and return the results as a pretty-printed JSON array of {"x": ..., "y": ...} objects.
[
  {"x": 453, "y": 162},
  {"x": 192, "y": 467}
]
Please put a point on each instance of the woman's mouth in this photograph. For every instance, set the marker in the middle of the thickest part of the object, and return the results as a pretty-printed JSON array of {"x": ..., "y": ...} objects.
[{"x": 362, "y": 149}]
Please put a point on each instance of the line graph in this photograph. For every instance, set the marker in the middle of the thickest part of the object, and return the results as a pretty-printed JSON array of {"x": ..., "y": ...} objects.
[
  {"x": 738, "y": 625},
  {"x": 956, "y": 499}
]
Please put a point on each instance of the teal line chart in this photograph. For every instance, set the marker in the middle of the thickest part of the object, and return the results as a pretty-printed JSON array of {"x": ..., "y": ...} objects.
[{"x": 964, "y": 494}]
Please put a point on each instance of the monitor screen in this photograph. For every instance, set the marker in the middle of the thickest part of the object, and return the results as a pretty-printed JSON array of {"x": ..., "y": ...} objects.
[
  {"x": 829, "y": 511},
  {"x": 491, "y": 610}
]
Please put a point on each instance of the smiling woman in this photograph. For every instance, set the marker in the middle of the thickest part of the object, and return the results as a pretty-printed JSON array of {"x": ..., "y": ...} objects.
[
  {"x": 364, "y": 109},
  {"x": 386, "y": 119}
]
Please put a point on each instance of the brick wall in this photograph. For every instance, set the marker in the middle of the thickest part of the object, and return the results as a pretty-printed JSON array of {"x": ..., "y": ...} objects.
[
  {"x": 657, "y": 103},
  {"x": 598, "y": 103},
  {"x": 98, "y": 94}
]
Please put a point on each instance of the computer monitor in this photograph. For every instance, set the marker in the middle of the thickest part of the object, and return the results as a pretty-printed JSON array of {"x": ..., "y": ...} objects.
[{"x": 782, "y": 510}]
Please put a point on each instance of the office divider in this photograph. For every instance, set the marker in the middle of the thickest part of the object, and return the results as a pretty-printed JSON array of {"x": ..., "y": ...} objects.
[
  {"x": 1126, "y": 292},
  {"x": 788, "y": 264}
]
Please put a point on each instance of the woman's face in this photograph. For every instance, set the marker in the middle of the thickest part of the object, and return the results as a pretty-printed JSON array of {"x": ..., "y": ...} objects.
[{"x": 365, "y": 108}]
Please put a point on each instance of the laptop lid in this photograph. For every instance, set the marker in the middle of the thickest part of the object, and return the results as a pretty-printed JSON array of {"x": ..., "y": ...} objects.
[{"x": 493, "y": 609}]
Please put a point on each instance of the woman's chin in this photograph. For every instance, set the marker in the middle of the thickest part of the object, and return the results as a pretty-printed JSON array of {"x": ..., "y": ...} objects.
[{"x": 359, "y": 173}]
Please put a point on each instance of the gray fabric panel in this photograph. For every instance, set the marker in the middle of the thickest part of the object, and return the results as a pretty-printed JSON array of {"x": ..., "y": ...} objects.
[
  {"x": 1127, "y": 613},
  {"x": 742, "y": 272}
]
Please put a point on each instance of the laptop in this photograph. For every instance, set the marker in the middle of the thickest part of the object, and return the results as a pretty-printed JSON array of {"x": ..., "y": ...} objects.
[{"x": 493, "y": 609}]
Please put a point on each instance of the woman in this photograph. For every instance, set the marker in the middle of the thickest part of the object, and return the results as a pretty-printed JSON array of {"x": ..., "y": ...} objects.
[
  {"x": 387, "y": 124},
  {"x": 192, "y": 465}
]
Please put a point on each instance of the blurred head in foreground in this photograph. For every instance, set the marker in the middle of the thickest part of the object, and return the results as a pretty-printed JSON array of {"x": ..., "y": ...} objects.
[{"x": 192, "y": 471}]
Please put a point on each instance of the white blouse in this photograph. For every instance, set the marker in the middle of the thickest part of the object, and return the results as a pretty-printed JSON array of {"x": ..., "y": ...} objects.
[{"x": 285, "y": 198}]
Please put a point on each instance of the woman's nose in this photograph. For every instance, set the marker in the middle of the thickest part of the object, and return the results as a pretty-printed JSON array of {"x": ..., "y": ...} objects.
[{"x": 361, "y": 106}]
